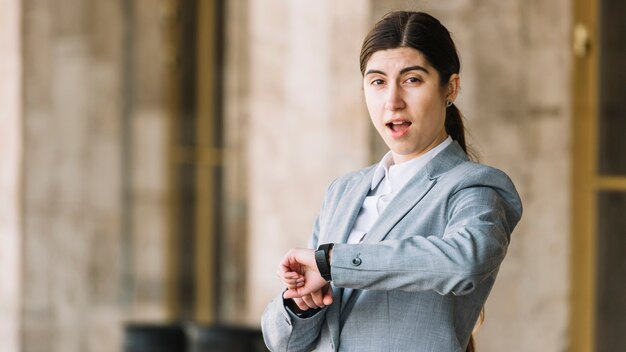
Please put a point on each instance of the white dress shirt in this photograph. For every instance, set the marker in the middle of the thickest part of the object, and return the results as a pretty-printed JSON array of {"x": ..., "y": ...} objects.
[{"x": 388, "y": 180}]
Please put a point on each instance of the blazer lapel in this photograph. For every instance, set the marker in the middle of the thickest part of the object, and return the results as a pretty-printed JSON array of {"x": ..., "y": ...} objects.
[
  {"x": 348, "y": 208},
  {"x": 415, "y": 190},
  {"x": 401, "y": 204}
]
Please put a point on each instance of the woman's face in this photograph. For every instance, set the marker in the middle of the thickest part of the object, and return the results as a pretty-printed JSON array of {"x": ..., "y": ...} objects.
[{"x": 406, "y": 101}]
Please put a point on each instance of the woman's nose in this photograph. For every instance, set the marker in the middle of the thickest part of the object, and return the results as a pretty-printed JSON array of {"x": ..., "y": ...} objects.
[{"x": 394, "y": 99}]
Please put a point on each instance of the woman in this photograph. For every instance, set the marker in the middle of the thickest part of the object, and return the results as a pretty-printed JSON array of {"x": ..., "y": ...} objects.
[{"x": 408, "y": 249}]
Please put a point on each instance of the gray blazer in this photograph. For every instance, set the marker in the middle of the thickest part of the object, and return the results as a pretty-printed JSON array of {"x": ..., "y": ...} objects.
[{"x": 424, "y": 270}]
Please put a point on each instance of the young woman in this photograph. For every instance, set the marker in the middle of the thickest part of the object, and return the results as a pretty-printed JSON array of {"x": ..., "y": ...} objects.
[{"x": 408, "y": 249}]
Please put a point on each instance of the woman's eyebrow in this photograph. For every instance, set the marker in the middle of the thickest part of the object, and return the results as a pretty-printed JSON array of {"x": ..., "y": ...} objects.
[
  {"x": 402, "y": 71},
  {"x": 413, "y": 68},
  {"x": 369, "y": 72}
]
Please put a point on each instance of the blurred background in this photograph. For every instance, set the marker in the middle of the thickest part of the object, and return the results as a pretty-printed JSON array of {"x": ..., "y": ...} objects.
[{"x": 158, "y": 157}]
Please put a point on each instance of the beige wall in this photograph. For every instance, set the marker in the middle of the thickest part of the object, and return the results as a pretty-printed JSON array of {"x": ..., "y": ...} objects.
[
  {"x": 307, "y": 124},
  {"x": 72, "y": 178},
  {"x": 10, "y": 173},
  {"x": 147, "y": 163},
  {"x": 94, "y": 172},
  {"x": 519, "y": 114}
]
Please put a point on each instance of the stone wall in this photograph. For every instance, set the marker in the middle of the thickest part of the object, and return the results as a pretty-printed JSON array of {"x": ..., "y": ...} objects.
[
  {"x": 148, "y": 121},
  {"x": 72, "y": 174},
  {"x": 10, "y": 173},
  {"x": 521, "y": 121},
  {"x": 307, "y": 124},
  {"x": 94, "y": 170}
]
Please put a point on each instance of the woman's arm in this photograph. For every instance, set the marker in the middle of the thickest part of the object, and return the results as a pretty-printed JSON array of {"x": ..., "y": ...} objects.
[{"x": 472, "y": 247}]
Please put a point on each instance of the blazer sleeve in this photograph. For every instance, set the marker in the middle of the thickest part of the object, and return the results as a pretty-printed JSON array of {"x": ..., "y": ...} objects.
[
  {"x": 480, "y": 219},
  {"x": 285, "y": 331}
]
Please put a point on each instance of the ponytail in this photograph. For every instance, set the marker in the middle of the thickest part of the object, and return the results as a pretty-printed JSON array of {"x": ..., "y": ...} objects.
[
  {"x": 454, "y": 126},
  {"x": 470, "y": 345},
  {"x": 456, "y": 129}
]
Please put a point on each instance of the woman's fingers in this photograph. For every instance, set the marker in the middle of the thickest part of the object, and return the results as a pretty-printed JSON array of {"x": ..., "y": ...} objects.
[
  {"x": 314, "y": 300},
  {"x": 308, "y": 301},
  {"x": 327, "y": 298},
  {"x": 300, "y": 303},
  {"x": 291, "y": 279},
  {"x": 317, "y": 298}
]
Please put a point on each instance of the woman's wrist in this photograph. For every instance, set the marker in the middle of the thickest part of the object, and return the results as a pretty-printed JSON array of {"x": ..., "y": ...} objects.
[{"x": 322, "y": 260}]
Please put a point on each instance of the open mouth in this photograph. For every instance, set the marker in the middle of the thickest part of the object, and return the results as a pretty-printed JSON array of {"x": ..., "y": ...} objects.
[{"x": 398, "y": 127}]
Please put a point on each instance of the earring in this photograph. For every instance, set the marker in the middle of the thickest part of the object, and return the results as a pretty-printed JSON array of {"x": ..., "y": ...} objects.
[{"x": 448, "y": 103}]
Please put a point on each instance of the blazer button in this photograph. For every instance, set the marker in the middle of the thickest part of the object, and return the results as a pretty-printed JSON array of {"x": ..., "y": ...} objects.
[{"x": 356, "y": 261}]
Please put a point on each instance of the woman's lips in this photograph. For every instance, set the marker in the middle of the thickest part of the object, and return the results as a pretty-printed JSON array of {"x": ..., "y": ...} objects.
[{"x": 398, "y": 128}]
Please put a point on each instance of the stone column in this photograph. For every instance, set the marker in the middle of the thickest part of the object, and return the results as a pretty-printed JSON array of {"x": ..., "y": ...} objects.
[
  {"x": 10, "y": 173},
  {"x": 307, "y": 124},
  {"x": 94, "y": 172},
  {"x": 147, "y": 162},
  {"x": 72, "y": 175}
]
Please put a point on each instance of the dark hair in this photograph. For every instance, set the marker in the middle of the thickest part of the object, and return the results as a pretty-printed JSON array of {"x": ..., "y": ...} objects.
[{"x": 423, "y": 32}]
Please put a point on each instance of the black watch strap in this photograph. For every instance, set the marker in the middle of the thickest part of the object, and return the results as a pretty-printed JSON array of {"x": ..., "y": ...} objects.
[{"x": 321, "y": 259}]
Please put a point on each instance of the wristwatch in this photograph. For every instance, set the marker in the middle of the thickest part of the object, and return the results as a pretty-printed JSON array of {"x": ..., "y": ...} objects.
[{"x": 321, "y": 259}]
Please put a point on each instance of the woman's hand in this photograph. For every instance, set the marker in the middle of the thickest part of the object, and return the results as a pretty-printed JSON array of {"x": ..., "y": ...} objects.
[
  {"x": 318, "y": 299},
  {"x": 298, "y": 271}
]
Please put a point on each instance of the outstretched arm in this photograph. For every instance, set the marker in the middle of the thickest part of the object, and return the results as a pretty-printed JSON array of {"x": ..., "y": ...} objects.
[{"x": 471, "y": 249}]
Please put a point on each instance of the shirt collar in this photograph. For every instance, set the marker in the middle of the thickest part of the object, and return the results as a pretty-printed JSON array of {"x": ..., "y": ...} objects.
[{"x": 398, "y": 175}]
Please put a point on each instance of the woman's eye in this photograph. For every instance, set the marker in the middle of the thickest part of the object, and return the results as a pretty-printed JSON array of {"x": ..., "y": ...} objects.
[
  {"x": 413, "y": 80},
  {"x": 377, "y": 82}
]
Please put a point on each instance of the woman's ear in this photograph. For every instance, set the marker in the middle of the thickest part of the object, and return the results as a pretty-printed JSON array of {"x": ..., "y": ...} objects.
[{"x": 454, "y": 85}]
